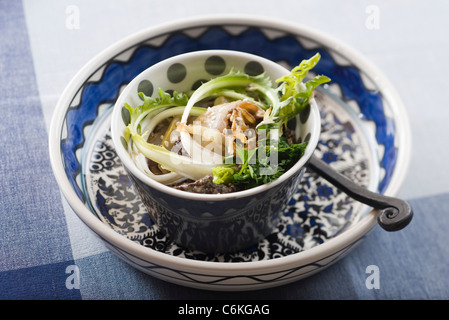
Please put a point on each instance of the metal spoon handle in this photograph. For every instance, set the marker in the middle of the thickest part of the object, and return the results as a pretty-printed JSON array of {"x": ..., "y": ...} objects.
[{"x": 395, "y": 213}]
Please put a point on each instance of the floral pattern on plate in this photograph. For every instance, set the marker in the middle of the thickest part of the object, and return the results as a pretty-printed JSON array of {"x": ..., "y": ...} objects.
[{"x": 316, "y": 213}]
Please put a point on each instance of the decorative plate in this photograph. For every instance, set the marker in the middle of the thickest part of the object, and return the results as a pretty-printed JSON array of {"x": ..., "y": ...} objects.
[{"x": 364, "y": 136}]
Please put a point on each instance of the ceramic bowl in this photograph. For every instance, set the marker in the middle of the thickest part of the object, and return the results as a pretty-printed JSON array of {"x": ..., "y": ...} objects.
[
  {"x": 212, "y": 223},
  {"x": 365, "y": 135}
]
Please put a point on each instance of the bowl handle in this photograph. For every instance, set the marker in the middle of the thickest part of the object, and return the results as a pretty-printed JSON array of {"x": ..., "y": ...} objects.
[{"x": 395, "y": 214}]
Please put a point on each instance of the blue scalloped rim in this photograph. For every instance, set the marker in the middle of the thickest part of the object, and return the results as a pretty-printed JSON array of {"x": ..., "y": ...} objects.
[{"x": 286, "y": 48}]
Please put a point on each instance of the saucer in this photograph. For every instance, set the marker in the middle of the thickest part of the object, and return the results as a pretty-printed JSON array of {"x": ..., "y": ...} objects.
[{"x": 365, "y": 135}]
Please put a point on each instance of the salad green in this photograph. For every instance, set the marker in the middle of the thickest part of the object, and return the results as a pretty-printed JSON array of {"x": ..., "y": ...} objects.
[{"x": 260, "y": 170}]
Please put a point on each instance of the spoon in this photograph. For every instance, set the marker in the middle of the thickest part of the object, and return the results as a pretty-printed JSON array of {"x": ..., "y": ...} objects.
[{"x": 395, "y": 213}]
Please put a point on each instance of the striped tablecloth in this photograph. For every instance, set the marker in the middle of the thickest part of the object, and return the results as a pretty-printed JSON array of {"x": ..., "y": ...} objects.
[{"x": 42, "y": 242}]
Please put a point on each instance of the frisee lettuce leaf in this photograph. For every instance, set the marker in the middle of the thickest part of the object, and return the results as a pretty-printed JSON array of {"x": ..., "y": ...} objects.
[
  {"x": 136, "y": 115},
  {"x": 233, "y": 81}
]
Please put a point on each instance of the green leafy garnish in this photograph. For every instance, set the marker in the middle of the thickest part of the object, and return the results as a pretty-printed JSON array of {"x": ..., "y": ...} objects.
[
  {"x": 255, "y": 169},
  {"x": 295, "y": 95},
  {"x": 136, "y": 115},
  {"x": 234, "y": 85}
]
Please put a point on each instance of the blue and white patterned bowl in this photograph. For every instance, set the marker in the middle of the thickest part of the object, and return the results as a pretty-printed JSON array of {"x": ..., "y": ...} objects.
[
  {"x": 364, "y": 134},
  {"x": 212, "y": 223}
]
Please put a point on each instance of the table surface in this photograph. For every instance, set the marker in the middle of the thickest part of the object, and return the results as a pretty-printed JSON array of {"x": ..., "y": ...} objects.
[{"x": 40, "y": 236}]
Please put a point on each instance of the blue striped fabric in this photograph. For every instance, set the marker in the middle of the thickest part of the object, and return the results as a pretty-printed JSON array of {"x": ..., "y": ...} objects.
[{"x": 31, "y": 266}]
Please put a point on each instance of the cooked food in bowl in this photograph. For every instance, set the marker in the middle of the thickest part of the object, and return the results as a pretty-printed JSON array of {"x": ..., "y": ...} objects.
[{"x": 229, "y": 134}]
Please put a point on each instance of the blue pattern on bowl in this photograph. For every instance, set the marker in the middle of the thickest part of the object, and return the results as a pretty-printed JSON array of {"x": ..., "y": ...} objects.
[{"x": 316, "y": 213}]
